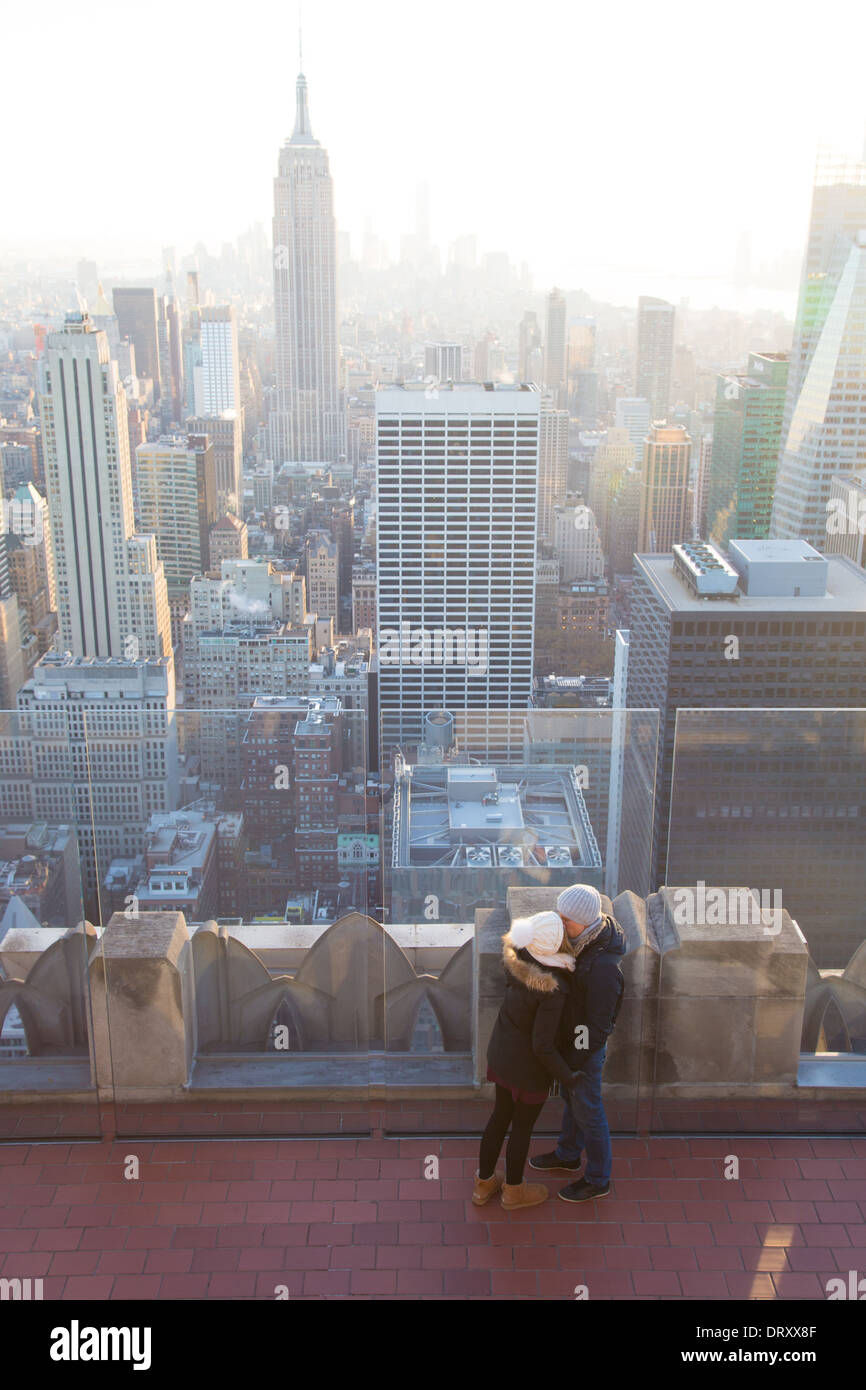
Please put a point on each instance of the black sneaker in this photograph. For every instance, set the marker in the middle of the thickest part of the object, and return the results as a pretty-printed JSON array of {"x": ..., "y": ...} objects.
[
  {"x": 583, "y": 1191},
  {"x": 547, "y": 1162}
]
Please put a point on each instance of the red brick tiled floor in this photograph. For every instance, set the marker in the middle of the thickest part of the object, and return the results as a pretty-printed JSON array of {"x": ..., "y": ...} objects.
[{"x": 350, "y": 1218}]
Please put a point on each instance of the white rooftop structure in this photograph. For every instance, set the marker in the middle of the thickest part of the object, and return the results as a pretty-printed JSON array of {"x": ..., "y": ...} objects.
[{"x": 780, "y": 569}]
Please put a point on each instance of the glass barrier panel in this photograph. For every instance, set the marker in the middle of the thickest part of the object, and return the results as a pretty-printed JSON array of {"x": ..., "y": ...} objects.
[
  {"x": 762, "y": 1001},
  {"x": 487, "y": 818},
  {"x": 237, "y": 881}
]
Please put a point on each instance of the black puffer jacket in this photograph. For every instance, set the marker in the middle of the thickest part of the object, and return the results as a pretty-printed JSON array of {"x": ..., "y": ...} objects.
[
  {"x": 595, "y": 993},
  {"x": 522, "y": 1049}
]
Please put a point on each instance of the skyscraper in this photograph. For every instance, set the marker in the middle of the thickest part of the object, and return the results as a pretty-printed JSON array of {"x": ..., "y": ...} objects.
[
  {"x": 457, "y": 483},
  {"x": 666, "y": 502},
  {"x": 136, "y": 311},
  {"x": 308, "y": 423},
  {"x": 552, "y": 463},
  {"x": 824, "y": 426},
  {"x": 217, "y": 380},
  {"x": 103, "y": 571},
  {"x": 747, "y": 427},
  {"x": 225, "y": 433},
  {"x": 743, "y": 788},
  {"x": 170, "y": 357},
  {"x": 554, "y": 345},
  {"x": 178, "y": 502},
  {"x": 655, "y": 354}
]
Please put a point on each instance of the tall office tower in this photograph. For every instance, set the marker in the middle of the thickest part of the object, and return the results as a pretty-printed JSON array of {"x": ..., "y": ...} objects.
[
  {"x": 308, "y": 423},
  {"x": 702, "y": 484},
  {"x": 225, "y": 433},
  {"x": 33, "y": 636},
  {"x": 102, "y": 575},
  {"x": 633, "y": 414},
  {"x": 846, "y": 517},
  {"x": 178, "y": 504},
  {"x": 28, "y": 518},
  {"x": 31, "y": 571},
  {"x": 342, "y": 529},
  {"x": 15, "y": 635},
  {"x": 145, "y": 613},
  {"x": 323, "y": 576},
  {"x": 554, "y": 343},
  {"x": 191, "y": 349},
  {"x": 765, "y": 800},
  {"x": 27, "y": 577},
  {"x": 457, "y": 482},
  {"x": 528, "y": 343},
  {"x": 136, "y": 311},
  {"x": 169, "y": 335},
  {"x": 824, "y": 426},
  {"x": 655, "y": 354},
  {"x": 217, "y": 380},
  {"x": 443, "y": 361},
  {"x": 747, "y": 428},
  {"x": 613, "y": 458},
  {"x": 666, "y": 500},
  {"x": 552, "y": 463},
  {"x": 577, "y": 543}
]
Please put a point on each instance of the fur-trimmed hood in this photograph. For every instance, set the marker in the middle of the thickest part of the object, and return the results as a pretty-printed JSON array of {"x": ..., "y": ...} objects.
[{"x": 528, "y": 973}]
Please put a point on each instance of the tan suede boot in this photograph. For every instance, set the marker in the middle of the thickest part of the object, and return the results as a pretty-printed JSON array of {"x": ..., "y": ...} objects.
[
  {"x": 524, "y": 1194},
  {"x": 485, "y": 1188}
]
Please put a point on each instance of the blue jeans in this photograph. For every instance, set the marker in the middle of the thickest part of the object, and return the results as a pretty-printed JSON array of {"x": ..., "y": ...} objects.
[{"x": 584, "y": 1123}]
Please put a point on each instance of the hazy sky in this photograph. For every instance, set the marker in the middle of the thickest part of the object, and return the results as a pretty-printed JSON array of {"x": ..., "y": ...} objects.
[{"x": 582, "y": 138}]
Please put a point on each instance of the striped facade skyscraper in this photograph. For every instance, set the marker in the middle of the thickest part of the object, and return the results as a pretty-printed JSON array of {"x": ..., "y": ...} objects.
[
  {"x": 307, "y": 423},
  {"x": 111, "y": 591},
  {"x": 457, "y": 485}
]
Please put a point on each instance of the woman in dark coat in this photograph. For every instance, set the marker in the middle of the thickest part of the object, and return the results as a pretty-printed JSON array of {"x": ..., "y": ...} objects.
[{"x": 523, "y": 1059}]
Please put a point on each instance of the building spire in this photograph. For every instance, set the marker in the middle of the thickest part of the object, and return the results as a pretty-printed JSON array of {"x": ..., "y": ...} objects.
[{"x": 302, "y": 133}]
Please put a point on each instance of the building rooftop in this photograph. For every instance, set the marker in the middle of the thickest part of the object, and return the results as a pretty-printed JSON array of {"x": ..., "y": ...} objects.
[
  {"x": 845, "y": 593},
  {"x": 445, "y": 816}
]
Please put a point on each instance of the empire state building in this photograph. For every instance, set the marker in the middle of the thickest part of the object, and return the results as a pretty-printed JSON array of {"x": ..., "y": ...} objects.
[{"x": 308, "y": 421}]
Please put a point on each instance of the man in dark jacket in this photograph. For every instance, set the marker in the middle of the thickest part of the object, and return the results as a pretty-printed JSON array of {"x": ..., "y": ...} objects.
[{"x": 595, "y": 994}]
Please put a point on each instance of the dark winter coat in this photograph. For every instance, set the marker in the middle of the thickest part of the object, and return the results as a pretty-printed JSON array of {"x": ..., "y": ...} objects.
[
  {"x": 522, "y": 1049},
  {"x": 595, "y": 993}
]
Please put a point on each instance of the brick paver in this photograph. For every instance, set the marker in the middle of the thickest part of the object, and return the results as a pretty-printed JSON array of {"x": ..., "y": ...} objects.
[{"x": 357, "y": 1218}]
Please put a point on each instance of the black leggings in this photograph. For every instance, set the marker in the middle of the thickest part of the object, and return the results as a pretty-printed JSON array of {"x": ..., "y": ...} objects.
[{"x": 522, "y": 1119}]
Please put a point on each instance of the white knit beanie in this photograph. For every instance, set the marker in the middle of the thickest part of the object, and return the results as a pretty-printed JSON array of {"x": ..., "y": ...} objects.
[
  {"x": 580, "y": 903},
  {"x": 541, "y": 935}
]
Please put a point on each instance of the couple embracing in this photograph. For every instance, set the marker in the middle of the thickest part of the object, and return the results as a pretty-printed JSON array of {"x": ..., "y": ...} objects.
[{"x": 564, "y": 987}]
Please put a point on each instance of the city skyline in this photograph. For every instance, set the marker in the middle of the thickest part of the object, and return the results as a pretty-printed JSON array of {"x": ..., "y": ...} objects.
[{"x": 618, "y": 170}]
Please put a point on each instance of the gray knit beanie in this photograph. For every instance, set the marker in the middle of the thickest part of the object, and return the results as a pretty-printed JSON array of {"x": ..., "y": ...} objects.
[{"x": 580, "y": 903}]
